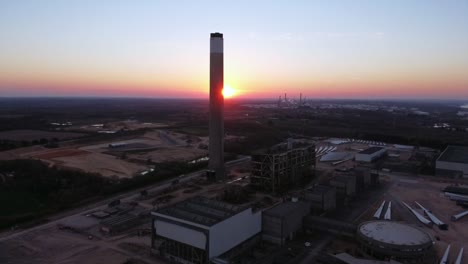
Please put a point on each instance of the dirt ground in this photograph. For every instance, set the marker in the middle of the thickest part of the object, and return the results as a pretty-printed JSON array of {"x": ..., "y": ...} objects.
[
  {"x": 21, "y": 153},
  {"x": 157, "y": 145},
  {"x": 52, "y": 245},
  {"x": 106, "y": 165},
  {"x": 60, "y": 153},
  {"x": 429, "y": 195},
  {"x": 171, "y": 154}
]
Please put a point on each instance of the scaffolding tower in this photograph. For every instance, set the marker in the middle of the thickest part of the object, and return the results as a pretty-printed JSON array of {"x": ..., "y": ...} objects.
[{"x": 282, "y": 168}]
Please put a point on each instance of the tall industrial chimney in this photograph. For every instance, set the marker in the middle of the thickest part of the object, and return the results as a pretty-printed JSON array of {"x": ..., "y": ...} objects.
[{"x": 216, "y": 140}]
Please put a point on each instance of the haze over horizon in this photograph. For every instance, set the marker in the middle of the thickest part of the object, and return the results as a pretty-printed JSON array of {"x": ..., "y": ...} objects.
[{"x": 328, "y": 49}]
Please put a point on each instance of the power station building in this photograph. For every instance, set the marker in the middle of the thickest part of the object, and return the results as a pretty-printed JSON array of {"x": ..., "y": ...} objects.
[
  {"x": 200, "y": 229},
  {"x": 216, "y": 133},
  {"x": 281, "y": 222},
  {"x": 363, "y": 178},
  {"x": 321, "y": 198},
  {"x": 345, "y": 184},
  {"x": 282, "y": 167},
  {"x": 453, "y": 162}
]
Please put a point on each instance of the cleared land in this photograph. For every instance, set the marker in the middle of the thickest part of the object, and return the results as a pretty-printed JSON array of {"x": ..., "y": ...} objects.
[
  {"x": 106, "y": 165},
  {"x": 124, "y": 161},
  {"x": 21, "y": 153},
  {"x": 52, "y": 245},
  {"x": 171, "y": 154},
  {"x": 60, "y": 153},
  {"x": 428, "y": 193}
]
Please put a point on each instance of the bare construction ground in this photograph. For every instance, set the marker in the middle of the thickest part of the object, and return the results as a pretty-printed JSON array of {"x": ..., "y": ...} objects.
[
  {"x": 21, "y": 153},
  {"x": 52, "y": 245},
  {"x": 106, "y": 165},
  {"x": 156, "y": 145},
  {"x": 171, "y": 154},
  {"x": 428, "y": 193}
]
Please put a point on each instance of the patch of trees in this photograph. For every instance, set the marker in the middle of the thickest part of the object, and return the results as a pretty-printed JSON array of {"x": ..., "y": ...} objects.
[
  {"x": 30, "y": 189},
  {"x": 46, "y": 189},
  {"x": 23, "y": 122},
  {"x": 370, "y": 125},
  {"x": 12, "y": 144},
  {"x": 256, "y": 136}
]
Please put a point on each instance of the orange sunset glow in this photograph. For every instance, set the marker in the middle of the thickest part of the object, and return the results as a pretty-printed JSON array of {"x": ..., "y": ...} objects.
[{"x": 126, "y": 51}]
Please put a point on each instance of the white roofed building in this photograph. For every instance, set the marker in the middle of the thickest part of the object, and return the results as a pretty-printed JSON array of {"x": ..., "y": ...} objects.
[
  {"x": 200, "y": 229},
  {"x": 453, "y": 162},
  {"x": 370, "y": 154}
]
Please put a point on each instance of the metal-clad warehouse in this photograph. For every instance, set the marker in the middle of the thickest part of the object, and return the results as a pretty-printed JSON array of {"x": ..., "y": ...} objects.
[
  {"x": 453, "y": 162},
  {"x": 199, "y": 229},
  {"x": 370, "y": 154}
]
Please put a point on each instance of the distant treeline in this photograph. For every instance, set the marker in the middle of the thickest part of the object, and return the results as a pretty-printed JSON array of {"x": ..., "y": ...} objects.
[
  {"x": 370, "y": 125},
  {"x": 29, "y": 121},
  {"x": 12, "y": 144},
  {"x": 256, "y": 136},
  {"x": 30, "y": 189}
]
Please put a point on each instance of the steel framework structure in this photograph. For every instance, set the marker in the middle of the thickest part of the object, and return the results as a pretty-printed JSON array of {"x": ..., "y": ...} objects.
[{"x": 277, "y": 171}]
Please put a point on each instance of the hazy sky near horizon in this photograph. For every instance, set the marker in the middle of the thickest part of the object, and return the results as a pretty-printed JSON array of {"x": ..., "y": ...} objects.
[{"x": 327, "y": 48}]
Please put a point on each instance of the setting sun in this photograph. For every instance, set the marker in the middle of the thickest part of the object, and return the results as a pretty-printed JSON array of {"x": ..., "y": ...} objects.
[{"x": 228, "y": 91}]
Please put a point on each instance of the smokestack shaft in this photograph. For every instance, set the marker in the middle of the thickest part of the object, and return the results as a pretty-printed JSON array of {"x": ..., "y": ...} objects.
[{"x": 216, "y": 134}]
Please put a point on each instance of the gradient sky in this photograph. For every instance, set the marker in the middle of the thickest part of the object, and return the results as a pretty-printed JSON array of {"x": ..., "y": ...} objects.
[{"x": 324, "y": 49}]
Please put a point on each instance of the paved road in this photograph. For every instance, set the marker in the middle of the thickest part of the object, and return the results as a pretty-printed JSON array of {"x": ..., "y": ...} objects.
[{"x": 125, "y": 197}]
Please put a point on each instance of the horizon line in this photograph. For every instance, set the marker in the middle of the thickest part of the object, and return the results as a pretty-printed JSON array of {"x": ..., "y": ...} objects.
[{"x": 235, "y": 99}]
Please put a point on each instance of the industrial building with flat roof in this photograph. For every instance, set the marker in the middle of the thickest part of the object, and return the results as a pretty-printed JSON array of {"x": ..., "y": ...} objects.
[
  {"x": 363, "y": 178},
  {"x": 370, "y": 154},
  {"x": 282, "y": 221},
  {"x": 200, "y": 229},
  {"x": 453, "y": 162},
  {"x": 321, "y": 198},
  {"x": 345, "y": 184}
]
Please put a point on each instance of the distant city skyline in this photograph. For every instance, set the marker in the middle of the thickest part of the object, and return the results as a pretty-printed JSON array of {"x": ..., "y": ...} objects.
[{"x": 323, "y": 49}]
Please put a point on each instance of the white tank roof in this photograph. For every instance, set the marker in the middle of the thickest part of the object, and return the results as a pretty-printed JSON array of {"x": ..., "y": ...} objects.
[{"x": 394, "y": 233}]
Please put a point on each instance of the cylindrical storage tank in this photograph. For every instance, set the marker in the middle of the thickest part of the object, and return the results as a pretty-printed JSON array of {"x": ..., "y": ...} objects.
[{"x": 392, "y": 239}]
